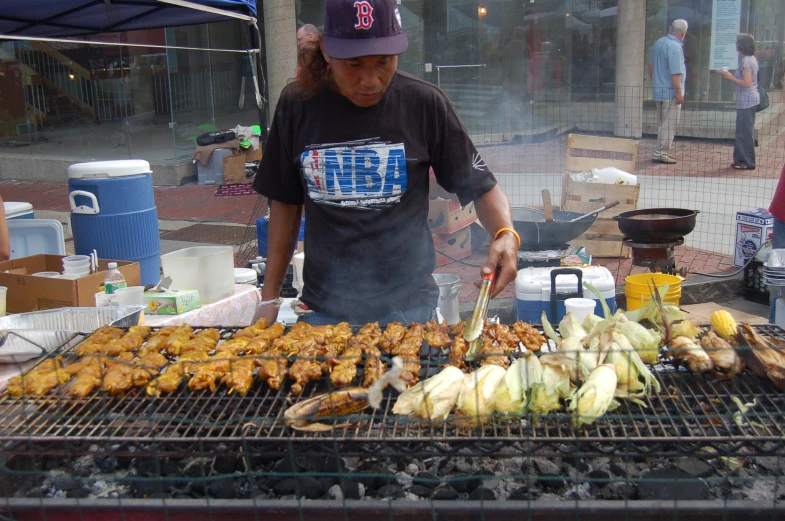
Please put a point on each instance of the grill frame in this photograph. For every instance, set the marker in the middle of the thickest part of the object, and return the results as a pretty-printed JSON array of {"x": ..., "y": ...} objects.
[{"x": 691, "y": 413}]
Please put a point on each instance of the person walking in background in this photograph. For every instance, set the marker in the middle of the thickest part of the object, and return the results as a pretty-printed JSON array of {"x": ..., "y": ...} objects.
[
  {"x": 307, "y": 34},
  {"x": 745, "y": 80},
  {"x": 668, "y": 75}
]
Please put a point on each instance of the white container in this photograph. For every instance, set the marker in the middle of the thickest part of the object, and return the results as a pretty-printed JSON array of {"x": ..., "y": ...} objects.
[
  {"x": 49, "y": 274},
  {"x": 209, "y": 269},
  {"x": 245, "y": 276},
  {"x": 753, "y": 228},
  {"x": 580, "y": 307},
  {"x": 533, "y": 292},
  {"x": 36, "y": 236},
  {"x": 448, "y": 297},
  {"x": 297, "y": 281},
  {"x": 130, "y": 296},
  {"x": 612, "y": 175},
  {"x": 18, "y": 210}
]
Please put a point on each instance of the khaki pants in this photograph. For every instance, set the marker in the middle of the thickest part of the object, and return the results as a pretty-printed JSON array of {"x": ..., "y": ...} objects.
[{"x": 668, "y": 113}]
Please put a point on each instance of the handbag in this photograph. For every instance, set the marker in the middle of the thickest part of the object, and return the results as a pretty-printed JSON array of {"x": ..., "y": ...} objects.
[{"x": 764, "y": 98}]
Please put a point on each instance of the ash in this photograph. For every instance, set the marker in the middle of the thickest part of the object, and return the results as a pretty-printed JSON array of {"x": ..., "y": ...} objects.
[{"x": 511, "y": 474}]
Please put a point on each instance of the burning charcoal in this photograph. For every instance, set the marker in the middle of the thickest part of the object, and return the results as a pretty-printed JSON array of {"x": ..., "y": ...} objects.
[
  {"x": 524, "y": 494},
  {"x": 389, "y": 491},
  {"x": 65, "y": 483},
  {"x": 420, "y": 491},
  {"x": 353, "y": 489},
  {"x": 426, "y": 479},
  {"x": 78, "y": 493},
  {"x": 482, "y": 494},
  {"x": 445, "y": 493},
  {"x": 225, "y": 465},
  {"x": 83, "y": 467},
  {"x": 222, "y": 488},
  {"x": 196, "y": 468},
  {"x": 695, "y": 467},
  {"x": 670, "y": 484},
  {"x": 579, "y": 492},
  {"x": 148, "y": 467}
]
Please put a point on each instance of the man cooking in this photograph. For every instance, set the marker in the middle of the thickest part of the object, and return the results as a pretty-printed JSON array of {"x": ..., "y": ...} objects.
[{"x": 351, "y": 142}]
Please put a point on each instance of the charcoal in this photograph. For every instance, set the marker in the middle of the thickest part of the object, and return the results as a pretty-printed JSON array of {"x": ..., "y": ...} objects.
[
  {"x": 545, "y": 467},
  {"x": 551, "y": 482},
  {"x": 695, "y": 467},
  {"x": 242, "y": 488},
  {"x": 225, "y": 465},
  {"x": 195, "y": 469},
  {"x": 352, "y": 489},
  {"x": 482, "y": 494},
  {"x": 182, "y": 495},
  {"x": 462, "y": 484},
  {"x": 478, "y": 479},
  {"x": 222, "y": 488},
  {"x": 309, "y": 488},
  {"x": 624, "y": 469},
  {"x": 412, "y": 469},
  {"x": 286, "y": 466},
  {"x": 198, "y": 487},
  {"x": 426, "y": 479},
  {"x": 446, "y": 466},
  {"x": 83, "y": 467},
  {"x": 524, "y": 494},
  {"x": 148, "y": 467},
  {"x": 65, "y": 483},
  {"x": 335, "y": 466},
  {"x": 420, "y": 491},
  {"x": 389, "y": 491},
  {"x": 601, "y": 476},
  {"x": 144, "y": 489},
  {"x": 327, "y": 483},
  {"x": 49, "y": 463},
  {"x": 335, "y": 493},
  {"x": 581, "y": 466},
  {"x": 386, "y": 477},
  {"x": 170, "y": 467},
  {"x": 36, "y": 492},
  {"x": 579, "y": 492},
  {"x": 737, "y": 495},
  {"x": 106, "y": 464},
  {"x": 78, "y": 493},
  {"x": 285, "y": 487},
  {"x": 445, "y": 493},
  {"x": 159, "y": 495},
  {"x": 672, "y": 484}
]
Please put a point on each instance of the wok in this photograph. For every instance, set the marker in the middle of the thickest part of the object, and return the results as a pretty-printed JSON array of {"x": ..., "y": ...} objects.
[
  {"x": 657, "y": 224},
  {"x": 537, "y": 234}
]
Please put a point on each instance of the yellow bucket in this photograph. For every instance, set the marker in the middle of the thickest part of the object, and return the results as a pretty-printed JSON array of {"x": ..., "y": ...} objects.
[{"x": 638, "y": 289}]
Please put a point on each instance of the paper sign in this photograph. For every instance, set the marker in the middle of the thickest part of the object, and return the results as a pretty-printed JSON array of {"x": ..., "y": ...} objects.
[{"x": 725, "y": 23}]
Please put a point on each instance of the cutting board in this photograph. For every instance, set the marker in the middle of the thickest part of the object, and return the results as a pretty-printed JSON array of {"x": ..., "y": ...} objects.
[{"x": 701, "y": 314}]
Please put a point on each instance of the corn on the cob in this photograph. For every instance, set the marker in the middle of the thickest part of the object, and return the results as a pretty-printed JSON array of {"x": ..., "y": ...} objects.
[
  {"x": 510, "y": 396},
  {"x": 433, "y": 398},
  {"x": 727, "y": 363},
  {"x": 761, "y": 358},
  {"x": 331, "y": 405},
  {"x": 687, "y": 352},
  {"x": 594, "y": 397},
  {"x": 723, "y": 324},
  {"x": 478, "y": 390}
]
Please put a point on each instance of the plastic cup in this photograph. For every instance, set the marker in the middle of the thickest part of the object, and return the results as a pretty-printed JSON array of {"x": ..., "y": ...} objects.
[
  {"x": 3, "y": 292},
  {"x": 298, "y": 282},
  {"x": 580, "y": 307},
  {"x": 49, "y": 274},
  {"x": 130, "y": 296}
]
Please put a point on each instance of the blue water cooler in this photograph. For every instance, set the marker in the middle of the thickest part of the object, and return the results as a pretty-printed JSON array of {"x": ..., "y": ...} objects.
[{"x": 113, "y": 212}]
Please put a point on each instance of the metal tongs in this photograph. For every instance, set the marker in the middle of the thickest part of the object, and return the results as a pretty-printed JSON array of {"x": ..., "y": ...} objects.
[{"x": 472, "y": 333}]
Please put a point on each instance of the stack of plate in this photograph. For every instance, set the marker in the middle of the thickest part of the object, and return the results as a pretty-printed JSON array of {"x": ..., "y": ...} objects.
[{"x": 774, "y": 268}]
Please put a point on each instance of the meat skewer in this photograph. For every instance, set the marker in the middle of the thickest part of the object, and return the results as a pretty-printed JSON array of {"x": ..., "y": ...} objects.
[
  {"x": 240, "y": 376},
  {"x": 409, "y": 351},
  {"x": 437, "y": 335},
  {"x": 392, "y": 337}
]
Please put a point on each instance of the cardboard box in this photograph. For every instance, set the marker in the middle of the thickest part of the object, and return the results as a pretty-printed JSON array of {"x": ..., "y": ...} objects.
[
  {"x": 447, "y": 216},
  {"x": 753, "y": 228},
  {"x": 234, "y": 169},
  {"x": 29, "y": 293},
  {"x": 457, "y": 245},
  {"x": 172, "y": 302}
]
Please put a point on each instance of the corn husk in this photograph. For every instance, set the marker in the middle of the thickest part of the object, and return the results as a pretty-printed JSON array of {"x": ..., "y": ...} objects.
[
  {"x": 727, "y": 363},
  {"x": 645, "y": 341},
  {"x": 531, "y": 372},
  {"x": 555, "y": 385},
  {"x": 594, "y": 397},
  {"x": 476, "y": 398},
  {"x": 548, "y": 329},
  {"x": 762, "y": 359},
  {"x": 571, "y": 327},
  {"x": 685, "y": 328},
  {"x": 511, "y": 397},
  {"x": 575, "y": 369},
  {"x": 431, "y": 399},
  {"x": 634, "y": 378},
  {"x": 590, "y": 321},
  {"x": 687, "y": 352}
]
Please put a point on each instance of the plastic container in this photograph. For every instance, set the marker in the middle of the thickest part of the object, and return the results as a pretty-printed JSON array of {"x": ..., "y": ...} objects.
[
  {"x": 213, "y": 172},
  {"x": 580, "y": 307},
  {"x": 114, "y": 279},
  {"x": 297, "y": 282},
  {"x": 638, "y": 289},
  {"x": 113, "y": 211},
  {"x": 245, "y": 276},
  {"x": 49, "y": 274},
  {"x": 36, "y": 236},
  {"x": 18, "y": 210},
  {"x": 261, "y": 234},
  {"x": 533, "y": 292},
  {"x": 209, "y": 269},
  {"x": 612, "y": 175},
  {"x": 130, "y": 296},
  {"x": 449, "y": 289}
]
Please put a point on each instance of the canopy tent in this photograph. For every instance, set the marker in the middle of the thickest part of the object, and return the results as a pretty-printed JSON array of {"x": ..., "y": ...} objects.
[{"x": 61, "y": 18}]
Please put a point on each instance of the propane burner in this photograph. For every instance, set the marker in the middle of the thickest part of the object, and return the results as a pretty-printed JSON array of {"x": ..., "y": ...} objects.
[{"x": 658, "y": 257}]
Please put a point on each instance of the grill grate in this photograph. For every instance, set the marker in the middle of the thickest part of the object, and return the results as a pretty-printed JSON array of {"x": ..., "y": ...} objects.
[{"x": 693, "y": 411}]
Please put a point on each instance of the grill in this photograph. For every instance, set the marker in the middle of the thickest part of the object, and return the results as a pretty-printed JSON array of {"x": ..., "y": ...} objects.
[{"x": 692, "y": 412}]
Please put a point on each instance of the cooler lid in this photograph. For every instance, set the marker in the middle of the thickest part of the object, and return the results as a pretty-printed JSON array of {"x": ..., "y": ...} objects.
[
  {"x": 107, "y": 169},
  {"x": 16, "y": 208},
  {"x": 244, "y": 275},
  {"x": 36, "y": 236}
]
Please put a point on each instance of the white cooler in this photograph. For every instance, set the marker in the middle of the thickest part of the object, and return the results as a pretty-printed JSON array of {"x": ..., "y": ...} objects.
[
  {"x": 17, "y": 210},
  {"x": 533, "y": 292}
]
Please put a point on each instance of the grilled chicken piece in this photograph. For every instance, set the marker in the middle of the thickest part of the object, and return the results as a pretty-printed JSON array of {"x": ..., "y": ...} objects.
[
  {"x": 335, "y": 346},
  {"x": 238, "y": 346},
  {"x": 178, "y": 337},
  {"x": 141, "y": 331},
  {"x": 501, "y": 334},
  {"x": 155, "y": 343},
  {"x": 130, "y": 342},
  {"x": 393, "y": 335},
  {"x": 40, "y": 380},
  {"x": 457, "y": 352},
  {"x": 343, "y": 373},
  {"x": 252, "y": 330},
  {"x": 341, "y": 333},
  {"x": 762, "y": 359},
  {"x": 307, "y": 367},
  {"x": 437, "y": 335},
  {"x": 272, "y": 368},
  {"x": 272, "y": 332},
  {"x": 374, "y": 366},
  {"x": 147, "y": 367},
  {"x": 207, "y": 373},
  {"x": 370, "y": 334},
  {"x": 88, "y": 378},
  {"x": 168, "y": 382},
  {"x": 457, "y": 329},
  {"x": 493, "y": 354},
  {"x": 240, "y": 376},
  {"x": 118, "y": 379},
  {"x": 409, "y": 351},
  {"x": 529, "y": 336}
]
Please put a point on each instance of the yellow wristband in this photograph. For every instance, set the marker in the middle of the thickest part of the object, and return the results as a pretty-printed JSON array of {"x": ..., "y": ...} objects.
[{"x": 502, "y": 230}]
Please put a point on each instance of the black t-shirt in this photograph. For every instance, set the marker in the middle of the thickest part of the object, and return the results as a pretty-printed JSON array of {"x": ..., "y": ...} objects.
[{"x": 362, "y": 174}]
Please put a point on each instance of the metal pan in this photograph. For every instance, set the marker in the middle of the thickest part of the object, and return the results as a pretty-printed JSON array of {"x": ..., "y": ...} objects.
[
  {"x": 657, "y": 224},
  {"x": 537, "y": 234}
]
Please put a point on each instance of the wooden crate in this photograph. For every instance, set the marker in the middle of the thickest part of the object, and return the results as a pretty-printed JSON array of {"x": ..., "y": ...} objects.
[{"x": 603, "y": 239}]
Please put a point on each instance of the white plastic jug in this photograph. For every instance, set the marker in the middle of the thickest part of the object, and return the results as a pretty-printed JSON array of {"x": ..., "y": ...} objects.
[{"x": 448, "y": 297}]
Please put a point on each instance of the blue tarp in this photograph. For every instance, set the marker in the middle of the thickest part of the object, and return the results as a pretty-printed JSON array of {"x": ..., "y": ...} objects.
[{"x": 62, "y": 18}]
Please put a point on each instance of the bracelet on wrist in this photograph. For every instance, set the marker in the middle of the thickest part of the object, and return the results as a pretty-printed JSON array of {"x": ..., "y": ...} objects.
[{"x": 502, "y": 230}]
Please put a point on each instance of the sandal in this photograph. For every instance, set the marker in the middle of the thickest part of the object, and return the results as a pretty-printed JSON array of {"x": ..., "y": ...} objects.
[{"x": 741, "y": 167}]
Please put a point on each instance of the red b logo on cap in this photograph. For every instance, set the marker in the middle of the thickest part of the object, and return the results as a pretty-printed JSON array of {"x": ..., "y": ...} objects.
[{"x": 364, "y": 15}]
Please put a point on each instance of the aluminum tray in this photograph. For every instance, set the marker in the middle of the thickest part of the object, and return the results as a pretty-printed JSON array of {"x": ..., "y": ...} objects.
[
  {"x": 22, "y": 345},
  {"x": 83, "y": 320}
]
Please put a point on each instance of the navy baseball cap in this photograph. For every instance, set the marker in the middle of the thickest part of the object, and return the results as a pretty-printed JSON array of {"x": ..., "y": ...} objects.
[{"x": 356, "y": 28}]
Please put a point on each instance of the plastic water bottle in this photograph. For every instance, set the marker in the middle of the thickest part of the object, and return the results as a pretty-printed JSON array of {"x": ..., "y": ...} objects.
[{"x": 114, "y": 279}]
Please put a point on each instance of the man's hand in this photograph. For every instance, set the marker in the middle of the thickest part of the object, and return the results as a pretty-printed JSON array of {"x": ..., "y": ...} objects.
[
  {"x": 679, "y": 99},
  {"x": 267, "y": 310},
  {"x": 502, "y": 255}
]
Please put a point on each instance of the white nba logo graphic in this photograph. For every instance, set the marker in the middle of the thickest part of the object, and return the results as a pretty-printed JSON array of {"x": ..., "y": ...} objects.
[{"x": 364, "y": 15}]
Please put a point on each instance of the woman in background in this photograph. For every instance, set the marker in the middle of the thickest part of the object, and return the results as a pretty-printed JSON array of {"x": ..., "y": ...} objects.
[{"x": 747, "y": 99}]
